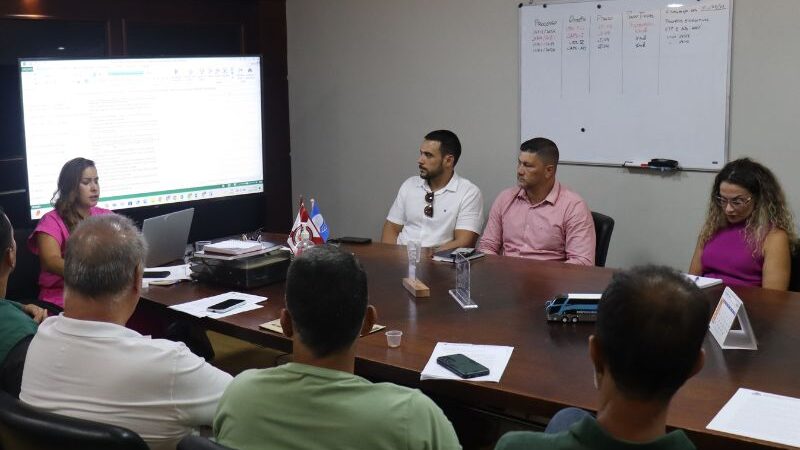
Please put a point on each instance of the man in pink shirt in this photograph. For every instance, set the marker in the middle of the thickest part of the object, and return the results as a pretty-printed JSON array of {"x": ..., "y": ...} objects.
[{"x": 540, "y": 218}]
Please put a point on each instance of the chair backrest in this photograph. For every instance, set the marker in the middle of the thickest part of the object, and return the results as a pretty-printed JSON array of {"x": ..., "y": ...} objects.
[
  {"x": 23, "y": 284},
  {"x": 603, "y": 227},
  {"x": 794, "y": 280},
  {"x": 199, "y": 443},
  {"x": 23, "y": 427}
]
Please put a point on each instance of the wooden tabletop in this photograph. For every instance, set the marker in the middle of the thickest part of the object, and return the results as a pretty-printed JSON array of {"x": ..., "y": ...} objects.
[{"x": 550, "y": 367}]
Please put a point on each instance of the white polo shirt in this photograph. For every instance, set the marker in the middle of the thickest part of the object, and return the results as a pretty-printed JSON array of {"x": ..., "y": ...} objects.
[
  {"x": 108, "y": 373},
  {"x": 457, "y": 206}
]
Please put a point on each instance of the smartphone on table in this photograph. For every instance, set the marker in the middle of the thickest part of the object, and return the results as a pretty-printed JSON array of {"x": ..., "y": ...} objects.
[
  {"x": 462, "y": 366},
  {"x": 155, "y": 274},
  {"x": 226, "y": 305}
]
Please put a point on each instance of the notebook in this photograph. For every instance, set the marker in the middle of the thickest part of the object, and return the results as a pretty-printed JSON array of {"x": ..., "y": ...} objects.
[
  {"x": 703, "y": 282},
  {"x": 233, "y": 247},
  {"x": 450, "y": 255}
]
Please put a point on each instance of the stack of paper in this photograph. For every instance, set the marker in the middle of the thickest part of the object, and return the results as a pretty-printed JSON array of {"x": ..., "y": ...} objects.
[
  {"x": 759, "y": 415},
  {"x": 176, "y": 274},
  {"x": 494, "y": 357},
  {"x": 233, "y": 247}
]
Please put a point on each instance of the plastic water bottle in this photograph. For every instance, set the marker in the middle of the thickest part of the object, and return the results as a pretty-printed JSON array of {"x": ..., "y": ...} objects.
[{"x": 305, "y": 242}]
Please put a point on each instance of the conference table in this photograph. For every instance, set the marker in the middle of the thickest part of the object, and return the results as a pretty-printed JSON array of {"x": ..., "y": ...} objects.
[{"x": 549, "y": 368}]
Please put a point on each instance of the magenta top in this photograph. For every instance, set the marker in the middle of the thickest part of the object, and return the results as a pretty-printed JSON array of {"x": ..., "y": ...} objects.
[
  {"x": 51, "y": 286},
  {"x": 727, "y": 256}
]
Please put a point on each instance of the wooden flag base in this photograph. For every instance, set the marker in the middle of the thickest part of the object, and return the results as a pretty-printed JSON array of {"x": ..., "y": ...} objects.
[{"x": 416, "y": 288}]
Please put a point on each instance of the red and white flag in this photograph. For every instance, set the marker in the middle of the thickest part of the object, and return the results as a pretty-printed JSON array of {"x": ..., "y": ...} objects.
[{"x": 303, "y": 221}]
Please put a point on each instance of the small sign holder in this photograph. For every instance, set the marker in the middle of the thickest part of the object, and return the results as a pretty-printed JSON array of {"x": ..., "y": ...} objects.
[
  {"x": 730, "y": 308},
  {"x": 411, "y": 283},
  {"x": 462, "y": 291}
]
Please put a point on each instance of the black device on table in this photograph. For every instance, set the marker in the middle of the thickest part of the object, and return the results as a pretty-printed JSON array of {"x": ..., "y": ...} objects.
[
  {"x": 350, "y": 240},
  {"x": 462, "y": 366},
  {"x": 226, "y": 305},
  {"x": 156, "y": 274}
]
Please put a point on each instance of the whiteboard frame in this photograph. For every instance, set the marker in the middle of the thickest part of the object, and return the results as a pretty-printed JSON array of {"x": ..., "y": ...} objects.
[{"x": 726, "y": 138}]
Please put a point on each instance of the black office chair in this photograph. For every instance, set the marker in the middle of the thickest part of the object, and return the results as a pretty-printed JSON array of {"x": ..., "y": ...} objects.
[
  {"x": 23, "y": 427},
  {"x": 794, "y": 278},
  {"x": 603, "y": 227},
  {"x": 23, "y": 284},
  {"x": 199, "y": 443}
]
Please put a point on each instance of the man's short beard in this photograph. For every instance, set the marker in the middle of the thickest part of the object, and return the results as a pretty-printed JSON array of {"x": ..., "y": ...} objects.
[{"x": 429, "y": 174}]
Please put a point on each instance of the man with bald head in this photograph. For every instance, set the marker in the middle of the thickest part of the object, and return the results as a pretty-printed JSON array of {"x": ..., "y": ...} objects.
[
  {"x": 86, "y": 364},
  {"x": 540, "y": 218}
]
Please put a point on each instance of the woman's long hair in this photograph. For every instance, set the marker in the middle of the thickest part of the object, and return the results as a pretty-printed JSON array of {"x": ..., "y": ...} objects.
[
  {"x": 65, "y": 198},
  {"x": 769, "y": 204}
]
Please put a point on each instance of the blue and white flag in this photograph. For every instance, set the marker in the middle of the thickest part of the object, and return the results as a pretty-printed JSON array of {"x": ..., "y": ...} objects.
[{"x": 316, "y": 217}]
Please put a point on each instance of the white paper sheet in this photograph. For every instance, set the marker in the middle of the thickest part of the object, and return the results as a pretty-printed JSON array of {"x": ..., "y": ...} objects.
[
  {"x": 495, "y": 357},
  {"x": 760, "y": 415},
  {"x": 176, "y": 274},
  {"x": 199, "y": 308},
  {"x": 703, "y": 282}
]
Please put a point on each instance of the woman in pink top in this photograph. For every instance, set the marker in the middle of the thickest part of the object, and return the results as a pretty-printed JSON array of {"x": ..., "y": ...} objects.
[
  {"x": 749, "y": 230},
  {"x": 74, "y": 200}
]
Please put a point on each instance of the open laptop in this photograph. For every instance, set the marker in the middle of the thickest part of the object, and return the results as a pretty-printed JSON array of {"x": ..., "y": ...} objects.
[{"x": 167, "y": 236}]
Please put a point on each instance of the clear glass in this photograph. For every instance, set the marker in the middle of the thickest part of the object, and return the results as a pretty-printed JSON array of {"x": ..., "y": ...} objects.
[{"x": 304, "y": 244}]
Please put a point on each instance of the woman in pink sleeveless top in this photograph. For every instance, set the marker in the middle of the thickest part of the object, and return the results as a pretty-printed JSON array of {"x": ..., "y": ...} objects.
[
  {"x": 74, "y": 200},
  {"x": 749, "y": 231}
]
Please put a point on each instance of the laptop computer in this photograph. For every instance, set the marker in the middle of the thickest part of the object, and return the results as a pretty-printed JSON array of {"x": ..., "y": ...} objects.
[{"x": 167, "y": 236}]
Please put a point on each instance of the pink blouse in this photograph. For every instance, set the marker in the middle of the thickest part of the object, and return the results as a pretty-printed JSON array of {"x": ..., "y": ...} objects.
[
  {"x": 51, "y": 286},
  {"x": 728, "y": 256}
]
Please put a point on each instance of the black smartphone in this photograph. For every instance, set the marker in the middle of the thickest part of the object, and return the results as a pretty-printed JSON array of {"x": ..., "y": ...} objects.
[
  {"x": 464, "y": 251},
  {"x": 353, "y": 240},
  {"x": 156, "y": 274},
  {"x": 462, "y": 366},
  {"x": 226, "y": 305}
]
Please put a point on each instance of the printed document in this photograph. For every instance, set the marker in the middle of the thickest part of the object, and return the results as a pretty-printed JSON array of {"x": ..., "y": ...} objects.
[
  {"x": 494, "y": 357},
  {"x": 760, "y": 415},
  {"x": 199, "y": 308}
]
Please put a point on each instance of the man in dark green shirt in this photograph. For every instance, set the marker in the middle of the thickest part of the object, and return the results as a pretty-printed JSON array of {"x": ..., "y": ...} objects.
[
  {"x": 17, "y": 322},
  {"x": 651, "y": 322}
]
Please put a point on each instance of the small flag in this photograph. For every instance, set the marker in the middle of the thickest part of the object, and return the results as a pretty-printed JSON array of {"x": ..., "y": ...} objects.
[
  {"x": 300, "y": 222},
  {"x": 319, "y": 222}
]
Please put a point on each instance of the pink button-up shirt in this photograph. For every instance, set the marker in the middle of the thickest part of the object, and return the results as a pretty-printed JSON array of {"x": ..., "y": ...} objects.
[{"x": 559, "y": 228}]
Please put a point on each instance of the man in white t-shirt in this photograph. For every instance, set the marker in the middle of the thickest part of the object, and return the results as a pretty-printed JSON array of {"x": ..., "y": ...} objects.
[
  {"x": 84, "y": 363},
  {"x": 437, "y": 208}
]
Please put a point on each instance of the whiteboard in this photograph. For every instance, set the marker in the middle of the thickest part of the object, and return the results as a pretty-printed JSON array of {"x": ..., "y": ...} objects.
[{"x": 624, "y": 81}]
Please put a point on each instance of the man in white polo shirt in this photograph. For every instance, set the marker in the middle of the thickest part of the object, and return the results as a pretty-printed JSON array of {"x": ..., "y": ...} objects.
[
  {"x": 437, "y": 208},
  {"x": 85, "y": 363}
]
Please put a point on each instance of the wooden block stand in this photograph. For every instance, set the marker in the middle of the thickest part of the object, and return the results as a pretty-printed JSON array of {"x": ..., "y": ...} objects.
[{"x": 416, "y": 288}]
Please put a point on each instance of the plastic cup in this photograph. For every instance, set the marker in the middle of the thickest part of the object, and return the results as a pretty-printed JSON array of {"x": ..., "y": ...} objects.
[
  {"x": 393, "y": 338},
  {"x": 200, "y": 245}
]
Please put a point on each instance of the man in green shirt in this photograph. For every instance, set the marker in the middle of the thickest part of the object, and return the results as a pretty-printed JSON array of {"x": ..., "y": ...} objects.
[
  {"x": 316, "y": 401},
  {"x": 17, "y": 322},
  {"x": 651, "y": 322}
]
